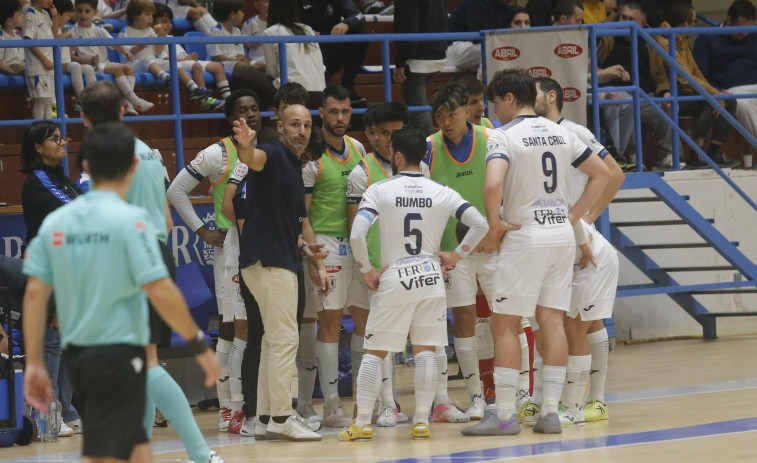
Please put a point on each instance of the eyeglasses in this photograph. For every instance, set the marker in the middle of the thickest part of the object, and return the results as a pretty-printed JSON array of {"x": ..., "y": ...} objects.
[{"x": 58, "y": 139}]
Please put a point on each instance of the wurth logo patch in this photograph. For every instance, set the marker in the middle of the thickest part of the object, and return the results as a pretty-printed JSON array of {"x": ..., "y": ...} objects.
[
  {"x": 571, "y": 94},
  {"x": 539, "y": 71},
  {"x": 568, "y": 50},
  {"x": 505, "y": 53}
]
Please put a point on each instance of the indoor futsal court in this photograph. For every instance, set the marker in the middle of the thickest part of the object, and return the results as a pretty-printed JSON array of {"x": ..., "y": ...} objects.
[{"x": 695, "y": 402}]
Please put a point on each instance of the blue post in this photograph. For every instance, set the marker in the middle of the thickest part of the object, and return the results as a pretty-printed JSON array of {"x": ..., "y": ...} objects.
[
  {"x": 594, "y": 81},
  {"x": 60, "y": 99},
  {"x": 675, "y": 143},
  {"x": 636, "y": 102},
  {"x": 282, "y": 63},
  {"x": 386, "y": 71},
  {"x": 176, "y": 108}
]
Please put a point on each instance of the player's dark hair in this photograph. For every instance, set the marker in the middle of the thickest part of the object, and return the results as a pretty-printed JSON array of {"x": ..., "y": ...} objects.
[
  {"x": 291, "y": 93},
  {"x": 389, "y": 112},
  {"x": 516, "y": 81},
  {"x": 566, "y": 8},
  {"x": 62, "y": 6},
  {"x": 449, "y": 97},
  {"x": 411, "y": 143},
  {"x": 287, "y": 13},
  {"x": 35, "y": 133},
  {"x": 546, "y": 84},
  {"x": 336, "y": 92},
  {"x": 679, "y": 14},
  {"x": 469, "y": 82},
  {"x": 316, "y": 144},
  {"x": 231, "y": 101},
  {"x": 92, "y": 3},
  {"x": 7, "y": 9},
  {"x": 101, "y": 102},
  {"x": 742, "y": 9},
  {"x": 222, "y": 9},
  {"x": 513, "y": 12},
  {"x": 162, "y": 10},
  {"x": 368, "y": 120},
  {"x": 136, "y": 8},
  {"x": 109, "y": 150}
]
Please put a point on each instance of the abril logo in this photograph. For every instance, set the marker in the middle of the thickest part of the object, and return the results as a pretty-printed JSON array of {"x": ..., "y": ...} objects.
[
  {"x": 571, "y": 94},
  {"x": 505, "y": 53},
  {"x": 568, "y": 50},
  {"x": 539, "y": 71}
]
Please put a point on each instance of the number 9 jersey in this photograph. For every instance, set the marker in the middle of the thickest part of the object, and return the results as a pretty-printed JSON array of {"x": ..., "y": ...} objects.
[{"x": 535, "y": 190}]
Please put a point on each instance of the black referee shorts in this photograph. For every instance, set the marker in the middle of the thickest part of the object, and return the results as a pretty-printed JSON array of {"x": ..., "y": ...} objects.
[
  {"x": 160, "y": 333},
  {"x": 110, "y": 382}
]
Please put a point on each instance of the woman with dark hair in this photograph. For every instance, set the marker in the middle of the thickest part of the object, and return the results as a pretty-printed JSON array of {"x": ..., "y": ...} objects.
[
  {"x": 45, "y": 189},
  {"x": 518, "y": 18},
  {"x": 304, "y": 60}
]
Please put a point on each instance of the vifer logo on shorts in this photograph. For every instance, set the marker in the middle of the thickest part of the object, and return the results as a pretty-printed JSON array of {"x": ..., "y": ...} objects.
[
  {"x": 57, "y": 238},
  {"x": 568, "y": 50},
  {"x": 539, "y": 71},
  {"x": 505, "y": 53},
  {"x": 571, "y": 94}
]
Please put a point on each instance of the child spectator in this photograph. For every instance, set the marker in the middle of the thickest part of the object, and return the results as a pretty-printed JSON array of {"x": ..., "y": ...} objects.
[
  {"x": 97, "y": 56},
  {"x": 39, "y": 72},
  {"x": 188, "y": 62},
  {"x": 80, "y": 73},
  {"x": 11, "y": 18},
  {"x": 230, "y": 15},
  {"x": 255, "y": 26},
  {"x": 139, "y": 17},
  {"x": 191, "y": 10}
]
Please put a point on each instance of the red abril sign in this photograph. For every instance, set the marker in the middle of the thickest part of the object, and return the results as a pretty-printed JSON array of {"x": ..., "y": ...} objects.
[
  {"x": 568, "y": 50},
  {"x": 571, "y": 94},
  {"x": 505, "y": 53},
  {"x": 539, "y": 71}
]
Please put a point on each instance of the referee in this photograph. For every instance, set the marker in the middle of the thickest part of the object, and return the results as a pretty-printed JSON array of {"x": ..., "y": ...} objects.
[{"x": 101, "y": 257}]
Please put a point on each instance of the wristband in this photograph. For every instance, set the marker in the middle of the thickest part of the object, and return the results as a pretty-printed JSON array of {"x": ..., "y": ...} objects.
[{"x": 197, "y": 345}]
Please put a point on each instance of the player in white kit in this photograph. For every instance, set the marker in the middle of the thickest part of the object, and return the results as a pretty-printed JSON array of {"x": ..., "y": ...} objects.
[
  {"x": 409, "y": 295},
  {"x": 526, "y": 198}
]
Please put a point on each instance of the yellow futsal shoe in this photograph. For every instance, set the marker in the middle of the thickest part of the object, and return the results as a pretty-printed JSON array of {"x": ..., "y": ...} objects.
[
  {"x": 354, "y": 432},
  {"x": 528, "y": 413},
  {"x": 594, "y": 410},
  {"x": 420, "y": 431}
]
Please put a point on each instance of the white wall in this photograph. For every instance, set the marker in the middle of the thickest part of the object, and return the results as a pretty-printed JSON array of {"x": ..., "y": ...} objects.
[{"x": 658, "y": 316}]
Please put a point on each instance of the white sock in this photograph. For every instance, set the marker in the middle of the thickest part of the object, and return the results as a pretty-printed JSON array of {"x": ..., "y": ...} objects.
[
  {"x": 164, "y": 77},
  {"x": 387, "y": 379},
  {"x": 576, "y": 378},
  {"x": 235, "y": 373},
  {"x": 537, "y": 397},
  {"x": 426, "y": 377},
  {"x": 123, "y": 85},
  {"x": 77, "y": 79},
  {"x": 222, "y": 383},
  {"x": 484, "y": 339},
  {"x": 307, "y": 364},
  {"x": 441, "y": 396},
  {"x": 356, "y": 353},
  {"x": 89, "y": 74},
  {"x": 599, "y": 345},
  {"x": 191, "y": 85},
  {"x": 42, "y": 108},
  {"x": 328, "y": 370},
  {"x": 223, "y": 87},
  {"x": 368, "y": 387},
  {"x": 132, "y": 80},
  {"x": 505, "y": 382},
  {"x": 524, "y": 381},
  {"x": 553, "y": 379},
  {"x": 467, "y": 358}
]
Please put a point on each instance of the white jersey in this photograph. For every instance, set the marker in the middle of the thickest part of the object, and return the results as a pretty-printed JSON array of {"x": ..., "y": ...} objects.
[
  {"x": 146, "y": 54},
  {"x": 39, "y": 26},
  {"x": 304, "y": 65},
  {"x": 255, "y": 26},
  {"x": 230, "y": 50},
  {"x": 358, "y": 180},
  {"x": 578, "y": 179},
  {"x": 11, "y": 55},
  {"x": 540, "y": 156},
  {"x": 91, "y": 32},
  {"x": 180, "y": 52}
]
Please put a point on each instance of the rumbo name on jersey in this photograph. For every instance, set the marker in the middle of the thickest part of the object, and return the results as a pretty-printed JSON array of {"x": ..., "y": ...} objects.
[{"x": 412, "y": 202}]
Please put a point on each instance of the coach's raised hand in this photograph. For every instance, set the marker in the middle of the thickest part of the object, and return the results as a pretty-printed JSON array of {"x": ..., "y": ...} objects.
[{"x": 243, "y": 134}]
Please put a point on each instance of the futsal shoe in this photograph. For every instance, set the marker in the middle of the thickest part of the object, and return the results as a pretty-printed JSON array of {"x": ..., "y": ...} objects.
[
  {"x": 548, "y": 424},
  {"x": 354, "y": 432},
  {"x": 260, "y": 430},
  {"x": 224, "y": 417},
  {"x": 236, "y": 422},
  {"x": 595, "y": 410},
  {"x": 292, "y": 429},
  {"x": 64, "y": 430},
  {"x": 129, "y": 110},
  {"x": 401, "y": 417},
  {"x": 248, "y": 427},
  {"x": 477, "y": 408},
  {"x": 571, "y": 417},
  {"x": 307, "y": 412},
  {"x": 420, "y": 431},
  {"x": 214, "y": 457},
  {"x": 75, "y": 425},
  {"x": 491, "y": 425},
  {"x": 311, "y": 425},
  {"x": 143, "y": 106},
  {"x": 448, "y": 413},
  {"x": 386, "y": 418},
  {"x": 528, "y": 413},
  {"x": 521, "y": 397},
  {"x": 334, "y": 416}
]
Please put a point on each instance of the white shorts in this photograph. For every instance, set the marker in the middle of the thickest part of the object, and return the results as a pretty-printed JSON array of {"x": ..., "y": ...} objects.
[
  {"x": 525, "y": 278},
  {"x": 41, "y": 86},
  {"x": 229, "y": 66},
  {"x": 188, "y": 64},
  {"x": 142, "y": 66},
  {"x": 223, "y": 284},
  {"x": 389, "y": 325},
  {"x": 594, "y": 290},
  {"x": 347, "y": 285},
  {"x": 178, "y": 9},
  {"x": 313, "y": 300},
  {"x": 462, "y": 287},
  {"x": 232, "y": 292}
]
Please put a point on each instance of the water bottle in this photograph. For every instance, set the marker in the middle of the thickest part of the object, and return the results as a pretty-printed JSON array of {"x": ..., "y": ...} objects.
[{"x": 49, "y": 424}]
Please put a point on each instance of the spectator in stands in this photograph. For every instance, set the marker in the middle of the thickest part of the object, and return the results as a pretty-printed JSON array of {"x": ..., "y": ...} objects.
[
  {"x": 112, "y": 10},
  {"x": 193, "y": 11},
  {"x": 304, "y": 60},
  {"x": 45, "y": 189},
  {"x": 39, "y": 70},
  {"x": 594, "y": 11},
  {"x": 255, "y": 26},
  {"x": 540, "y": 12},
  {"x": 611, "y": 7},
  {"x": 518, "y": 18},
  {"x": 475, "y": 90},
  {"x": 730, "y": 61},
  {"x": 139, "y": 17},
  {"x": 162, "y": 20},
  {"x": 338, "y": 17},
  {"x": 80, "y": 73},
  {"x": 568, "y": 13},
  {"x": 653, "y": 80},
  {"x": 684, "y": 15},
  {"x": 473, "y": 16},
  {"x": 11, "y": 18},
  {"x": 417, "y": 62},
  {"x": 97, "y": 56}
]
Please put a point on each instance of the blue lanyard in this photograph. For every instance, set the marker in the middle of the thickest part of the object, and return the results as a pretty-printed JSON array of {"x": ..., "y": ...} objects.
[{"x": 42, "y": 176}]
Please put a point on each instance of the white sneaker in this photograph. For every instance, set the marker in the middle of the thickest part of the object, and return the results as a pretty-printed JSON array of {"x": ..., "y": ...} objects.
[
  {"x": 448, "y": 413},
  {"x": 311, "y": 425},
  {"x": 308, "y": 413},
  {"x": 64, "y": 430},
  {"x": 292, "y": 430},
  {"x": 129, "y": 109},
  {"x": 386, "y": 418},
  {"x": 224, "y": 417},
  {"x": 248, "y": 427},
  {"x": 571, "y": 416},
  {"x": 76, "y": 426},
  {"x": 143, "y": 106},
  {"x": 259, "y": 430},
  {"x": 334, "y": 416},
  {"x": 214, "y": 457},
  {"x": 477, "y": 407}
]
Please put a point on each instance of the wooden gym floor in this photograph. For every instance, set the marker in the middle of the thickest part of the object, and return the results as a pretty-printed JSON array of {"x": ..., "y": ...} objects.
[{"x": 676, "y": 401}]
